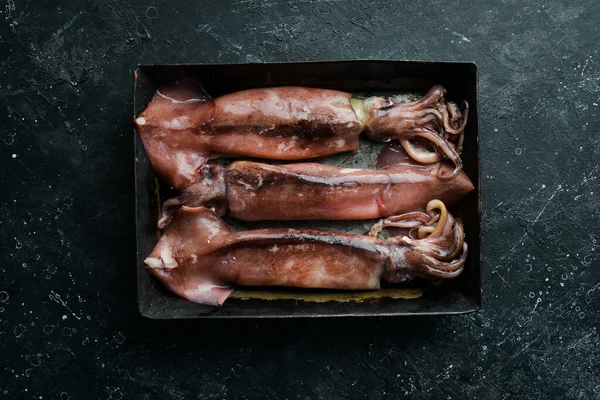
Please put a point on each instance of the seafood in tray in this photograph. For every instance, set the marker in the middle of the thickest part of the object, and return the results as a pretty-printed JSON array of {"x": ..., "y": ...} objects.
[{"x": 417, "y": 177}]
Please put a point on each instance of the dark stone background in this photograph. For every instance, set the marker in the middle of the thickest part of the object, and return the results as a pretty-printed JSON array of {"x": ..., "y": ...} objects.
[{"x": 69, "y": 327}]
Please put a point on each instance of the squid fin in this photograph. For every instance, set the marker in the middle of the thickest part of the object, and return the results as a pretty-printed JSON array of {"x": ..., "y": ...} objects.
[{"x": 181, "y": 258}]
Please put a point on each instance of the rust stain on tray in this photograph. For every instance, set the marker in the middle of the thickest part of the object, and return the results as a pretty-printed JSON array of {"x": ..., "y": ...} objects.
[{"x": 323, "y": 297}]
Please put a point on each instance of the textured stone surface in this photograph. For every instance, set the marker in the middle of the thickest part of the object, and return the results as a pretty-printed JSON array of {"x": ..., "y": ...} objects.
[{"x": 69, "y": 327}]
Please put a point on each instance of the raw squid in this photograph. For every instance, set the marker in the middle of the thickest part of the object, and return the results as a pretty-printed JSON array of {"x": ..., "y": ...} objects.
[
  {"x": 182, "y": 127},
  {"x": 309, "y": 191},
  {"x": 199, "y": 258}
]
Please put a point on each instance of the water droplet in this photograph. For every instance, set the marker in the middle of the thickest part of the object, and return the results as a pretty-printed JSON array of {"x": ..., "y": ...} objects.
[
  {"x": 151, "y": 12},
  {"x": 119, "y": 338},
  {"x": 19, "y": 330},
  {"x": 9, "y": 139}
]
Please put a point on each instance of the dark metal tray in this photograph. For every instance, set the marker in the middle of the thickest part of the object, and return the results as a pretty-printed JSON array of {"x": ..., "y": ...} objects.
[{"x": 455, "y": 296}]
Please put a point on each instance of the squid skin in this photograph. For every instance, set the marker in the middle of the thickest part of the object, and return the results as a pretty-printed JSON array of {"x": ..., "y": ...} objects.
[
  {"x": 311, "y": 191},
  {"x": 182, "y": 127},
  {"x": 200, "y": 259}
]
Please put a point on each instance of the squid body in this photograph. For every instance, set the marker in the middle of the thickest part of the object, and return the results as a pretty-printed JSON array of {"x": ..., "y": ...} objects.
[{"x": 255, "y": 191}]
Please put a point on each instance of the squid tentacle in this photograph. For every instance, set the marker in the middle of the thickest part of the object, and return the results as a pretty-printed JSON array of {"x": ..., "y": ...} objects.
[
  {"x": 446, "y": 112},
  {"x": 443, "y": 251},
  {"x": 403, "y": 121},
  {"x": 422, "y": 156},
  {"x": 441, "y": 269},
  {"x": 441, "y": 218},
  {"x": 444, "y": 146},
  {"x": 451, "y": 114},
  {"x": 442, "y": 240},
  {"x": 405, "y": 221},
  {"x": 461, "y": 140},
  {"x": 434, "y": 96}
]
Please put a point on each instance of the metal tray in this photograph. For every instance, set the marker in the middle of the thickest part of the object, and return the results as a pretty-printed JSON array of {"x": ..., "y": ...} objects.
[{"x": 412, "y": 78}]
